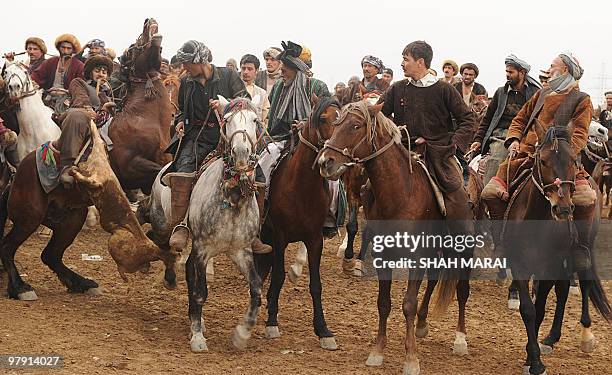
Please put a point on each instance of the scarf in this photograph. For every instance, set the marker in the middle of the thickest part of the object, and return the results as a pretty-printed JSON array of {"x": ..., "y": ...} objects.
[
  {"x": 194, "y": 52},
  {"x": 515, "y": 61},
  {"x": 295, "y": 102},
  {"x": 562, "y": 82}
]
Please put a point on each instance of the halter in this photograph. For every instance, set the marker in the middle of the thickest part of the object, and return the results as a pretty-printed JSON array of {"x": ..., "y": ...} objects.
[
  {"x": 28, "y": 83},
  {"x": 369, "y": 137},
  {"x": 558, "y": 183}
]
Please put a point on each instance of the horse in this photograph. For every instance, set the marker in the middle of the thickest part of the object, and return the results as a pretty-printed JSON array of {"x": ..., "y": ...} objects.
[
  {"x": 364, "y": 136},
  {"x": 298, "y": 202},
  {"x": 141, "y": 131},
  {"x": 223, "y": 216},
  {"x": 64, "y": 210},
  {"x": 545, "y": 200},
  {"x": 35, "y": 124}
]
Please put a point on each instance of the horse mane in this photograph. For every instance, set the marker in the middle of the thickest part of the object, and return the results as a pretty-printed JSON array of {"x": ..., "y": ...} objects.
[
  {"x": 361, "y": 109},
  {"x": 239, "y": 104},
  {"x": 320, "y": 107},
  {"x": 555, "y": 133}
]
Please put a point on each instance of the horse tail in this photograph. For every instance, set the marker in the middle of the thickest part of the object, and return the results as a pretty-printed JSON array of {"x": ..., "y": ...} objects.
[
  {"x": 598, "y": 295},
  {"x": 445, "y": 291}
]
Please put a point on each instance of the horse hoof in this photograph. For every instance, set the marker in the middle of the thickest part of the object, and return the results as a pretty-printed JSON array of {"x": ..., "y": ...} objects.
[
  {"x": 545, "y": 349},
  {"x": 587, "y": 346},
  {"x": 94, "y": 291},
  {"x": 460, "y": 346},
  {"x": 412, "y": 368},
  {"x": 328, "y": 343},
  {"x": 30, "y": 295},
  {"x": 348, "y": 266},
  {"x": 240, "y": 337},
  {"x": 514, "y": 304},
  {"x": 422, "y": 332},
  {"x": 358, "y": 268},
  {"x": 374, "y": 359},
  {"x": 198, "y": 343},
  {"x": 526, "y": 371},
  {"x": 272, "y": 332},
  {"x": 170, "y": 285},
  {"x": 295, "y": 271}
]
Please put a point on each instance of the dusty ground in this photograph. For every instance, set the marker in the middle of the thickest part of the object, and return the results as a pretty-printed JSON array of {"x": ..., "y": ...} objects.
[{"x": 141, "y": 327}]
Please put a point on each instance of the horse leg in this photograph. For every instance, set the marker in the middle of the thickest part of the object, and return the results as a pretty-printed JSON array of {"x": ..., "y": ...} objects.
[
  {"x": 244, "y": 260},
  {"x": 513, "y": 296},
  {"x": 422, "y": 328},
  {"x": 326, "y": 337},
  {"x": 195, "y": 275},
  {"x": 460, "y": 346},
  {"x": 63, "y": 236},
  {"x": 277, "y": 279},
  {"x": 295, "y": 271},
  {"x": 544, "y": 287},
  {"x": 17, "y": 288},
  {"x": 409, "y": 307},
  {"x": 533, "y": 364},
  {"x": 366, "y": 238},
  {"x": 352, "y": 226},
  {"x": 384, "y": 308},
  {"x": 587, "y": 339}
]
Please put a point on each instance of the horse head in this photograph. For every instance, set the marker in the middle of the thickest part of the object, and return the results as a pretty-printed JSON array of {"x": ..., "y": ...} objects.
[
  {"x": 355, "y": 138},
  {"x": 240, "y": 130},
  {"x": 554, "y": 169},
  {"x": 143, "y": 58},
  {"x": 324, "y": 114},
  {"x": 17, "y": 80}
]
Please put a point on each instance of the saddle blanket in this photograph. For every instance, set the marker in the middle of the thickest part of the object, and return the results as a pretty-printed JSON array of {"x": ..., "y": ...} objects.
[{"x": 48, "y": 166}]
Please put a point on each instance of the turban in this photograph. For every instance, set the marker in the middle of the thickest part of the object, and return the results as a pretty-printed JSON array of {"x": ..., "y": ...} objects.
[
  {"x": 291, "y": 56},
  {"x": 470, "y": 66},
  {"x": 375, "y": 61},
  {"x": 573, "y": 65},
  {"x": 452, "y": 63},
  {"x": 272, "y": 52},
  {"x": 194, "y": 52},
  {"x": 518, "y": 63}
]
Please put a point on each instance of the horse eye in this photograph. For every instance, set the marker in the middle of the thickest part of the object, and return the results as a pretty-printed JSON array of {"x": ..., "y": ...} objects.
[{"x": 356, "y": 127}]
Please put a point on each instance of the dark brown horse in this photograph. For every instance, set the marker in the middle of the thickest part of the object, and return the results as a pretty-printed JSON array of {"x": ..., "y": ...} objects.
[
  {"x": 299, "y": 200},
  {"x": 141, "y": 131},
  {"x": 364, "y": 136},
  {"x": 544, "y": 204},
  {"x": 64, "y": 211}
]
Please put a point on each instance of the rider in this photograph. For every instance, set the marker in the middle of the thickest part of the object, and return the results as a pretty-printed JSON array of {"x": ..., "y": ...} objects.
[
  {"x": 198, "y": 129},
  {"x": 372, "y": 66},
  {"x": 427, "y": 106},
  {"x": 267, "y": 78},
  {"x": 36, "y": 49},
  {"x": 96, "y": 47},
  {"x": 89, "y": 95},
  {"x": 565, "y": 71}
]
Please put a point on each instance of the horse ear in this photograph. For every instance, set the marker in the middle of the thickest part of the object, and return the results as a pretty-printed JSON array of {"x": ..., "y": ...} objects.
[
  {"x": 223, "y": 103},
  {"x": 374, "y": 109}
]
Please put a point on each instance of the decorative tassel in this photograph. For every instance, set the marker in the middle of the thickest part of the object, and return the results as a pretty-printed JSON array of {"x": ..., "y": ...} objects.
[{"x": 150, "y": 90}]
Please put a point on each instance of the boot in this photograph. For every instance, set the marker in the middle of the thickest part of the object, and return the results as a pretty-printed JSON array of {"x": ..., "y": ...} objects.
[
  {"x": 180, "y": 188},
  {"x": 257, "y": 246},
  {"x": 497, "y": 209},
  {"x": 583, "y": 217}
]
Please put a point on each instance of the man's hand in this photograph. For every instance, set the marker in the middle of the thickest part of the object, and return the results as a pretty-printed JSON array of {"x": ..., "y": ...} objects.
[
  {"x": 214, "y": 104},
  {"x": 475, "y": 146},
  {"x": 514, "y": 147},
  {"x": 180, "y": 128}
]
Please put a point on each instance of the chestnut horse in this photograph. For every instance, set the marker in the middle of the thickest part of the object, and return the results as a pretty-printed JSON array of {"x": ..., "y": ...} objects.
[
  {"x": 299, "y": 200},
  {"x": 141, "y": 131},
  {"x": 546, "y": 198},
  {"x": 364, "y": 136}
]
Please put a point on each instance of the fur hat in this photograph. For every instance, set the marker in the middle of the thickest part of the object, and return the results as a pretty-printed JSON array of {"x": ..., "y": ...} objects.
[
  {"x": 97, "y": 60},
  {"x": 39, "y": 42},
  {"x": 470, "y": 66},
  {"x": 452, "y": 63},
  {"x": 111, "y": 53},
  {"x": 70, "y": 39}
]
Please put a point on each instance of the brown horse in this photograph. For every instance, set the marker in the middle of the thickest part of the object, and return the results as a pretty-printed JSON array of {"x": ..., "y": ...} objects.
[
  {"x": 364, "y": 136},
  {"x": 299, "y": 200},
  {"x": 64, "y": 211},
  {"x": 544, "y": 204},
  {"x": 141, "y": 131}
]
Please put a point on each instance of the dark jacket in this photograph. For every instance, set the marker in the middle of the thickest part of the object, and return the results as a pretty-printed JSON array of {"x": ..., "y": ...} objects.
[
  {"x": 477, "y": 90},
  {"x": 496, "y": 110},
  {"x": 45, "y": 74}
]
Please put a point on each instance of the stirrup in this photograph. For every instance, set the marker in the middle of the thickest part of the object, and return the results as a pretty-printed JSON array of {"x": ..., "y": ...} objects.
[{"x": 182, "y": 224}]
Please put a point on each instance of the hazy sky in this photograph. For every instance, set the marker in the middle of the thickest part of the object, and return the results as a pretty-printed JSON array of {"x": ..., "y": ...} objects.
[{"x": 340, "y": 33}]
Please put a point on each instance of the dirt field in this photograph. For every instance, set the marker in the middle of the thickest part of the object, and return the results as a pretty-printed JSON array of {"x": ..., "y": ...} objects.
[{"x": 141, "y": 327}]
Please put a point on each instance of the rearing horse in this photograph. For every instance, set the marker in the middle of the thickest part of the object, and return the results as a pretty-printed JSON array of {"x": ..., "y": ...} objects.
[{"x": 141, "y": 131}]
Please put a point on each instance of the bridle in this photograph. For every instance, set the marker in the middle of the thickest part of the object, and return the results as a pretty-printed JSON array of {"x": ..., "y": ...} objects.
[
  {"x": 28, "y": 86},
  {"x": 371, "y": 128},
  {"x": 537, "y": 169}
]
